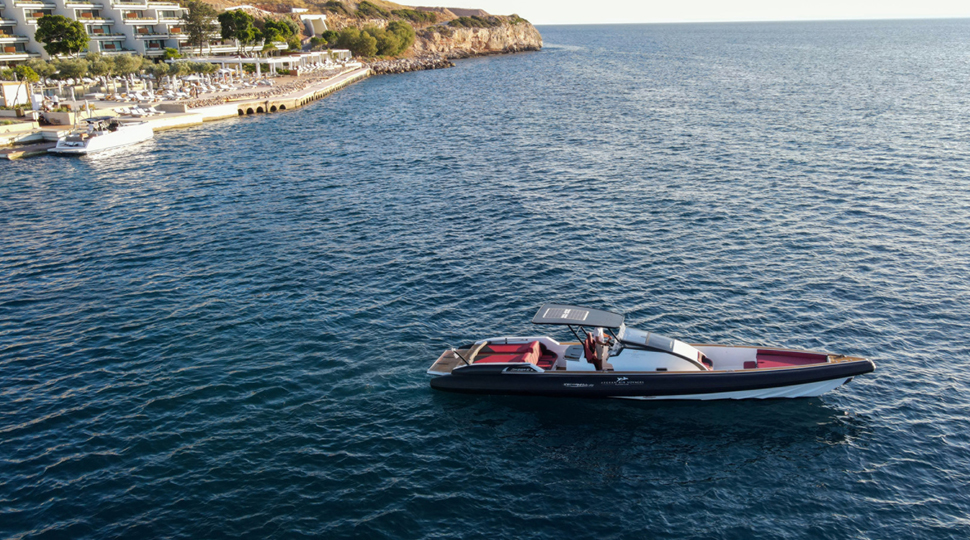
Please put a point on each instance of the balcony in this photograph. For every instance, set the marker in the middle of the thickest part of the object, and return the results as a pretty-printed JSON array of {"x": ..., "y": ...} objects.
[
  {"x": 34, "y": 19},
  {"x": 8, "y": 22},
  {"x": 108, "y": 37},
  {"x": 17, "y": 56},
  {"x": 163, "y": 18},
  {"x": 130, "y": 3},
  {"x": 6, "y": 38},
  {"x": 151, "y": 36},
  {"x": 140, "y": 20},
  {"x": 82, "y": 5},
  {"x": 164, "y": 5},
  {"x": 33, "y": 4}
]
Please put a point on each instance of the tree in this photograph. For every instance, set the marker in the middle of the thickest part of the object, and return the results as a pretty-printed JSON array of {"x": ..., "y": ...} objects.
[
  {"x": 159, "y": 70},
  {"x": 405, "y": 35},
  {"x": 127, "y": 64},
  {"x": 171, "y": 54},
  {"x": 279, "y": 28},
  {"x": 359, "y": 43},
  {"x": 71, "y": 68},
  {"x": 198, "y": 22},
  {"x": 61, "y": 35},
  {"x": 99, "y": 65},
  {"x": 41, "y": 67},
  {"x": 330, "y": 37},
  {"x": 238, "y": 25},
  {"x": 26, "y": 74}
]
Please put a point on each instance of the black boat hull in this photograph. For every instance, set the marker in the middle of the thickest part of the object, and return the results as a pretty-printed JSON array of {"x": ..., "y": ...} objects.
[{"x": 798, "y": 381}]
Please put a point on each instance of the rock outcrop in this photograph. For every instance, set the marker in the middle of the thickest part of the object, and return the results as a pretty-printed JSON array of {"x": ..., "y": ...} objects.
[{"x": 453, "y": 42}]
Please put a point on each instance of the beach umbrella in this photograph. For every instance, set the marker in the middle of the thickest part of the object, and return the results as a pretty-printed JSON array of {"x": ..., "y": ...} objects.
[{"x": 192, "y": 78}]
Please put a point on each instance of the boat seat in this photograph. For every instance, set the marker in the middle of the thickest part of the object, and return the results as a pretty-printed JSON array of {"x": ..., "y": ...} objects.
[
  {"x": 768, "y": 358},
  {"x": 532, "y": 352}
]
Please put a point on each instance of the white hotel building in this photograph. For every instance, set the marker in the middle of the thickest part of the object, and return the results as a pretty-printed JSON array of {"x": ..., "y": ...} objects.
[{"x": 114, "y": 26}]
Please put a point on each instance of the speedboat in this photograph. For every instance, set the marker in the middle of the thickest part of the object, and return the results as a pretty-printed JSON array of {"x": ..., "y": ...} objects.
[
  {"x": 611, "y": 360},
  {"x": 103, "y": 133}
]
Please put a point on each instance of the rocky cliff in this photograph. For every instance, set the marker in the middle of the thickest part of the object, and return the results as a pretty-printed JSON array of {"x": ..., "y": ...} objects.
[{"x": 464, "y": 42}]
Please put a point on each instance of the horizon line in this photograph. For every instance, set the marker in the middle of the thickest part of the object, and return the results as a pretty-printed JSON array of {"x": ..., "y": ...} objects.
[{"x": 735, "y": 21}]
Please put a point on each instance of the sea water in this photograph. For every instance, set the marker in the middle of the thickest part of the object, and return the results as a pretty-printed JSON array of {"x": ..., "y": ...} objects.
[{"x": 225, "y": 332}]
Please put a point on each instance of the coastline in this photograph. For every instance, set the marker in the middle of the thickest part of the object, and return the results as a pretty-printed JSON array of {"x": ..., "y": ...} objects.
[{"x": 33, "y": 141}]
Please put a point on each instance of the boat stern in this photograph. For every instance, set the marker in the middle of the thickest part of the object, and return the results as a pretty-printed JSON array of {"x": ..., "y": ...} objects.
[{"x": 448, "y": 361}]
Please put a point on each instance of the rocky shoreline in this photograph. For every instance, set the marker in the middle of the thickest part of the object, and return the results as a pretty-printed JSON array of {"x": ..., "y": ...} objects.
[
  {"x": 437, "y": 61},
  {"x": 404, "y": 65}
]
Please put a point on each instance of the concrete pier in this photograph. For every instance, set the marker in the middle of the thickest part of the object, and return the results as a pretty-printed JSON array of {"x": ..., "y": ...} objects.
[{"x": 177, "y": 115}]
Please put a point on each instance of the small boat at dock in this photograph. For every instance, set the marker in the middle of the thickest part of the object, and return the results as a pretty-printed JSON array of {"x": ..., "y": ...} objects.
[
  {"x": 103, "y": 133},
  {"x": 611, "y": 360}
]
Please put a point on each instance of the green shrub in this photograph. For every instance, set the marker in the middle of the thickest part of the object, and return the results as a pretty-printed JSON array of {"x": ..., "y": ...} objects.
[
  {"x": 71, "y": 68},
  {"x": 413, "y": 15},
  {"x": 441, "y": 29},
  {"x": 360, "y": 43},
  {"x": 26, "y": 74},
  {"x": 367, "y": 10},
  {"x": 336, "y": 7},
  {"x": 373, "y": 41},
  {"x": 515, "y": 19},
  {"x": 475, "y": 22}
]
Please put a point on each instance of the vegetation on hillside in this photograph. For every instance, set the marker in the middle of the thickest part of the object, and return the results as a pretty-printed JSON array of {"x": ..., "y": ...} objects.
[
  {"x": 475, "y": 22},
  {"x": 368, "y": 10},
  {"x": 373, "y": 41},
  {"x": 333, "y": 6},
  {"x": 415, "y": 16}
]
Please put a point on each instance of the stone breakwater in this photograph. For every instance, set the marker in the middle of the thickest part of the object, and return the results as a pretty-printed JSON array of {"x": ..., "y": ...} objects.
[
  {"x": 403, "y": 65},
  {"x": 263, "y": 92}
]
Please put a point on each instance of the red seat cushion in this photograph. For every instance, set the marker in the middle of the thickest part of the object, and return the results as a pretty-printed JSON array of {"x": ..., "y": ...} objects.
[
  {"x": 768, "y": 358},
  {"x": 530, "y": 353},
  {"x": 513, "y": 348},
  {"x": 547, "y": 360}
]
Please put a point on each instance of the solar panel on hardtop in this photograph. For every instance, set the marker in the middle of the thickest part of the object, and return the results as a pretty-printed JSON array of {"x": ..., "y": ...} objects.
[{"x": 578, "y": 315}]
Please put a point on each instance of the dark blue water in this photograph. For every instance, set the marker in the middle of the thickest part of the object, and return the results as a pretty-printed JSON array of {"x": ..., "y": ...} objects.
[{"x": 224, "y": 333}]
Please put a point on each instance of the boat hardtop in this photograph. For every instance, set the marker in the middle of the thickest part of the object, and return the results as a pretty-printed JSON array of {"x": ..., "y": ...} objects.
[{"x": 610, "y": 359}]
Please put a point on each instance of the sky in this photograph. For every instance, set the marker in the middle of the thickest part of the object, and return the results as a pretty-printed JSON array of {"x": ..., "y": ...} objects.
[{"x": 648, "y": 11}]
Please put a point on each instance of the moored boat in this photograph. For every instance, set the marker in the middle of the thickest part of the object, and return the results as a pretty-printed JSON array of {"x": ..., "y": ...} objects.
[
  {"x": 612, "y": 360},
  {"x": 103, "y": 133}
]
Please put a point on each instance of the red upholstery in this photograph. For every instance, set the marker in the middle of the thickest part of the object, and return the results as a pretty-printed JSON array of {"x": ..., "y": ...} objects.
[
  {"x": 547, "y": 360},
  {"x": 589, "y": 346},
  {"x": 529, "y": 353},
  {"x": 514, "y": 348},
  {"x": 769, "y": 359}
]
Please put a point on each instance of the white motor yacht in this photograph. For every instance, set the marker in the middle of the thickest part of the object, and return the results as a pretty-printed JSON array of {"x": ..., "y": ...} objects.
[
  {"x": 615, "y": 361},
  {"x": 103, "y": 133}
]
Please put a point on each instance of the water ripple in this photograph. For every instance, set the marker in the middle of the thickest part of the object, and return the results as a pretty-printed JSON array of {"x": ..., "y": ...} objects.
[{"x": 225, "y": 332}]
